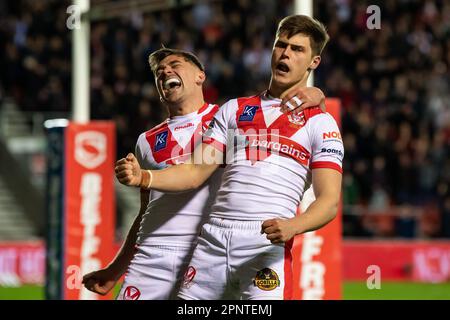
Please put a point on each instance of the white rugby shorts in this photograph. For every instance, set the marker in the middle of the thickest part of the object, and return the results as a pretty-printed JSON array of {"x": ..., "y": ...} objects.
[
  {"x": 233, "y": 260},
  {"x": 155, "y": 273}
]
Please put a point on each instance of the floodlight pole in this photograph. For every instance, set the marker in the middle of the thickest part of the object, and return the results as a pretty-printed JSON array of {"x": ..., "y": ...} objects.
[
  {"x": 81, "y": 65},
  {"x": 305, "y": 7}
]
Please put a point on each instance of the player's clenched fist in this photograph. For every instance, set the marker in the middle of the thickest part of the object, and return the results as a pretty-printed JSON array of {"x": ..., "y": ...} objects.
[
  {"x": 101, "y": 281},
  {"x": 278, "y": 230},
  {"x": 128, "y": 171}
]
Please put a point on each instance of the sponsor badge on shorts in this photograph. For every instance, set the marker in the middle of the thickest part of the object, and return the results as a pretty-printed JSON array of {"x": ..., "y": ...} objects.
[
  {"x": 131, "y": 293},
  {"x": 188, "y": 277},
  {"x": 266, "y": 279}
]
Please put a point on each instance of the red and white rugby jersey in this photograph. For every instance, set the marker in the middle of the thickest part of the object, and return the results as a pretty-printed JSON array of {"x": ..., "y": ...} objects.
[
  {"x": 175, "y": 218},
  {"x": 270, "y": 156}
]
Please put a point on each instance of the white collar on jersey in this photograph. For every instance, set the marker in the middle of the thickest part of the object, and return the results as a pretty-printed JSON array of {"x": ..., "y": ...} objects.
[{"x": 265, "y": 94}]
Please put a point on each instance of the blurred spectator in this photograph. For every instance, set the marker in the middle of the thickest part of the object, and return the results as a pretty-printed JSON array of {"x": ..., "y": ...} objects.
[{"x": 394, "y": 83}]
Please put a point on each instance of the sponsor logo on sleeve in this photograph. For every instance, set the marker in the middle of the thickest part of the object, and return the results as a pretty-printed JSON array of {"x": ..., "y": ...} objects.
[
  {"x": 331, "y": 136},
  {"x": 332, "y": 151}
]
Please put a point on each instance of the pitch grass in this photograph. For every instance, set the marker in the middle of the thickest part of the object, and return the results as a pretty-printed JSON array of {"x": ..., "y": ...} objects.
[
  {"x": 397, "y": 291},
  {"x": 30, "y": 292},
  {"x": 352, "y": 291}
]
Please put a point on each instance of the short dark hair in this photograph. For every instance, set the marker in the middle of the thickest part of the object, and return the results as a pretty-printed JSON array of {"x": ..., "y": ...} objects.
[
  {"x": 157, "y": 56},
  {"x": 314, "y": 29}
]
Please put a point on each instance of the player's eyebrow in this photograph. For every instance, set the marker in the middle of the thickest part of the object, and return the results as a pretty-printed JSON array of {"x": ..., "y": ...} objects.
[
  {"x": 284, "y": 44},
  {"x": 297, "y": 47},
  {"x": 171, "y": 63}
]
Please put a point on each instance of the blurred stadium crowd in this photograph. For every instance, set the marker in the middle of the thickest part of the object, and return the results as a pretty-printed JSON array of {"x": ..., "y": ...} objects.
[{"x": 394, "y": 85}]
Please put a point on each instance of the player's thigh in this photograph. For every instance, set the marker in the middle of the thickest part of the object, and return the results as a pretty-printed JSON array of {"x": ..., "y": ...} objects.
[
  {"x": 153, "y": 274},
  {"x": 205, "y": 277},
  {"x": 267, "y": 275}
]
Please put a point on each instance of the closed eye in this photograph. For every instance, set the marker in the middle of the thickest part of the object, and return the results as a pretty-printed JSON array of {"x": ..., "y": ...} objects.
[
  {"x": 297, "y": 48},
  {"x": 160, "y": 69},
  {"x": 280, "y": 44}
]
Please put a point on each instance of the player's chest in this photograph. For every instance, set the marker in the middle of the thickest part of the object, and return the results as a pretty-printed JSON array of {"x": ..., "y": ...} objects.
[
  {"x": 263, "y": 120},
  {"x": 174, "y": 143}
]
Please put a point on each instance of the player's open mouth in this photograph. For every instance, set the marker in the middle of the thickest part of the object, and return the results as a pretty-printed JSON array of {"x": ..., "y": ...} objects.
[
  {"x": 283, "y": 67},
  {"x": 172, "y": 83}
]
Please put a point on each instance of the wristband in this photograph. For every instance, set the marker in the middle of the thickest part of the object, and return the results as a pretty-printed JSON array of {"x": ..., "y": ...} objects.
[{"x": 146, "y": 180}]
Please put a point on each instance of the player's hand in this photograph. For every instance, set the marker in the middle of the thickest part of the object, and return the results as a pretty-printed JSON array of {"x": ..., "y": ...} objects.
[
  {"x": 278, "y": 230},
  {"x": 297, "y": 99},
  {"x": 101, "y": 281},
  {"x": 128, "y": 171}
]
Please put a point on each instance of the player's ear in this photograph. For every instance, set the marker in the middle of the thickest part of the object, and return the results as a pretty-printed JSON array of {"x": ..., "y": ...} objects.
[
  {"x": 315, "y": 62},
  {"x": 201, "y": 77}
]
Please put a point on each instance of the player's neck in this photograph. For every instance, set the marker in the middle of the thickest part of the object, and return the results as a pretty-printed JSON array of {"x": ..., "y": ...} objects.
[
  {"x": 278, "y": 91},
  {"x": 185, "y": 107}
]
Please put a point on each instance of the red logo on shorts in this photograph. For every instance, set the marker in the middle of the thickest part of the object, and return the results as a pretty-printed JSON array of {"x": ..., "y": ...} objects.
[
  {"x": 189, "y": 276},
  {"x": 131, "y": 293}
]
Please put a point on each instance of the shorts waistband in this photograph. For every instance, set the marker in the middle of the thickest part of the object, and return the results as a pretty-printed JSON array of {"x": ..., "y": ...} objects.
[
  {"x": 236, "y": 224},
  {"x": 180, "y": 246}
]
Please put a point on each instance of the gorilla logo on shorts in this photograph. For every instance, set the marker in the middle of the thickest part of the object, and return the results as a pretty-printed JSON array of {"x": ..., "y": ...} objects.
[
  {"x": 131, "y": 293},
  {"x": 188, "y": 277},
  {"x": 266, "y": 279}
]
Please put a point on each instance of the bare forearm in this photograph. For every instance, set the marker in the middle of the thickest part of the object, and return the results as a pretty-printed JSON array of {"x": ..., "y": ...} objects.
[
  {"x": 182, "y": 177},
  {"x": 177, "y": 178},
  {"x": 319, "y": 213}
]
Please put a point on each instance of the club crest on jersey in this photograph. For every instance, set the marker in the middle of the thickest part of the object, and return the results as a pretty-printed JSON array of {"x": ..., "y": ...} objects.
[
  {"x": 249, "y": 113},
  {"x": 161, "y": 140},
  {"x": 298, "y": 119},
  {"x": 266, "y": 279}
]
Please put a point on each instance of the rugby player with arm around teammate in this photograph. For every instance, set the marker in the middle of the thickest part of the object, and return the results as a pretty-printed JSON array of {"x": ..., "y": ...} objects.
[
  {"x": 166, "y": 226},
  {"x": 260, "y": 192}
]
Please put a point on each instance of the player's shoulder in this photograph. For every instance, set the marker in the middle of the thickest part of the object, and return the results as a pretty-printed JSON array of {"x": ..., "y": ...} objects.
[
  {"x": 149, "y": 135},
  {"x": 232, "y": 105},
  {"x": 255, "y": 99},
  {"x": 156, "y": 129},
  {"x": 314, "y": 112},
  {"x": 208, "y": 109},
  {"x": 316, "y": 115}
]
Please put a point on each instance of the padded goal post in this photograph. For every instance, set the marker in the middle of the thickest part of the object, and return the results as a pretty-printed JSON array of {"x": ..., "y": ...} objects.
[{"x": 80, "y": 206}]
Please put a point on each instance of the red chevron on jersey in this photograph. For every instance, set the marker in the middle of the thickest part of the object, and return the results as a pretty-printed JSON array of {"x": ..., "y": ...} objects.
[
  {"x": 166, "y": 149},
  {"x": 263, "y": 139},
  {"x": 161, "y": 142}
]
